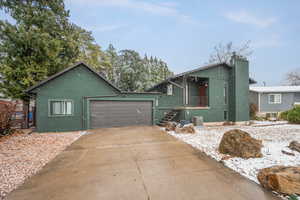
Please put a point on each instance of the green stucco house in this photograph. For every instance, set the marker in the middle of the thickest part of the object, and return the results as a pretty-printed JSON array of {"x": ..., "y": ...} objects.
[{"x": 79, "y": 98}]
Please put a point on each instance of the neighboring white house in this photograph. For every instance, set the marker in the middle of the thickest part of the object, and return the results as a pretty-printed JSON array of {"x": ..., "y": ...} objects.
[{"x": 274, "y": 99}]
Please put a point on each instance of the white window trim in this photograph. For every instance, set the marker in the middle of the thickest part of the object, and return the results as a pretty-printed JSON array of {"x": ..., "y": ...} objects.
[
  {"x": 169, "y": 89},
  {"x": 275, "y": 102},
  {"x": 60, "y": 115}
]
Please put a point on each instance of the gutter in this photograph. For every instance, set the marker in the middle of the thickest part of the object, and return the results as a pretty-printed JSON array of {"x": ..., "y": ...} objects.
[
  {"x": 140, "y": 92},
  {"x": 173, "y": 83}
]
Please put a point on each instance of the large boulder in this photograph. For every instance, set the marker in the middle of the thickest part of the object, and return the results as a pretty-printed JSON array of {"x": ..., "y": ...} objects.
[
  {"x": 238, "y": 143},
  {"x": 281, "y": 179},
  {"x": 170, "y": 126},
  {"x": 189, "y": 129},
  {"x": 294, "y": 145}
]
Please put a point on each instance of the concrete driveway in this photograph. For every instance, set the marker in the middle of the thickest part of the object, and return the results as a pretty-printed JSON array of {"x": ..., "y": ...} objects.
[{"x": 135, "y": 163}]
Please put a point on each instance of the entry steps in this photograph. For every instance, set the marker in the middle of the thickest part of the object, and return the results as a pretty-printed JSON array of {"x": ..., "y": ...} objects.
[{"x": 168, "y": 118}]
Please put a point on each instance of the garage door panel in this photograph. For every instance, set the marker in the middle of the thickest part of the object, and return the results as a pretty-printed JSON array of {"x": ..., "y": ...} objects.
[{"x": 120, "y": 113}]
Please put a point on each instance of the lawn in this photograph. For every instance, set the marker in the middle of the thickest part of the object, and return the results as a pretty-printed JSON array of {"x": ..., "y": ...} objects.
[{"x": 275, "y": 138}]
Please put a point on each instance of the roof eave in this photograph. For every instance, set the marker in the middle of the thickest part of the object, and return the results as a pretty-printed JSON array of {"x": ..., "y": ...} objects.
[
  {"x": 279, "y": 91},
  {"x": 188, "y": 72}
]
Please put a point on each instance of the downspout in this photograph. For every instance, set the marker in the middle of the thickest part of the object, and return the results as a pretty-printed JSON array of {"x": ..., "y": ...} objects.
[
  {"x": 258, "y": 102},
  {"x": 83, "y": 115},
  {"x": 184, "y": 91}
]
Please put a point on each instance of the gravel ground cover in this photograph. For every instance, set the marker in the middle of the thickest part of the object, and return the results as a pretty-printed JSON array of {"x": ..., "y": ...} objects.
[
  {"x": 22, "y": 155},
  {"x": 275, "y": 138}
]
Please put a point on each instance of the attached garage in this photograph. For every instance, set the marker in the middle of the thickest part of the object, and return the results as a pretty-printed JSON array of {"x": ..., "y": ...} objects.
[
  {"x": 104, "y": 114},
  {"x": 79, "y": 98}
]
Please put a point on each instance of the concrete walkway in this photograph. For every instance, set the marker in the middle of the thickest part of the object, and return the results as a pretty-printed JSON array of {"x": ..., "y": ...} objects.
[{"x": 136, "y": 163}]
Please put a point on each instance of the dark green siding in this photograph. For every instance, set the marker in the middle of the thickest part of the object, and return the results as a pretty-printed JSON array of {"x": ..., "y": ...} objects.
[
  {"x": 80, "y": 85},
  {"x": 74, "y": 84},
  {"x": 166, "y": 103},
  {"x": 170, "y": 101},
  {"x": 217, "y": 78},
  {"x": 235, "y": 79},
  {"x": 239, "y": 105}
]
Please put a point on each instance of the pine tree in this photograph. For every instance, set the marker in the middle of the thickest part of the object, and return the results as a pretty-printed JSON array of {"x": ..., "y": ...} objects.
[
  {"x": 39, "y": 43},
  {"x": 90, "y": 52},
  {"x": 132, "y": 76},
  {"x": 131, "y": 72},
  {"x": 114, "y": 72}
]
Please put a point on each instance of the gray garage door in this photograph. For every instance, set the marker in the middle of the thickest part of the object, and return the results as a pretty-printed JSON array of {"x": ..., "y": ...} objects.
[{"x": 105, "y": 114}]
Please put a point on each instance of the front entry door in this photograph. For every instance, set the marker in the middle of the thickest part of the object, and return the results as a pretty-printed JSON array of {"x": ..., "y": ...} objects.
[{"x": 202, "y": 96}]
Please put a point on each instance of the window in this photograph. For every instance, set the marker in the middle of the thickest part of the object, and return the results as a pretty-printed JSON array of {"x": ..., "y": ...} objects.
[
  {"x": 225, "y": 94},
  {"x": 170, "y": 89},
  {"x": 274, "y": 98},
  {"x": 60, "y": 107}
]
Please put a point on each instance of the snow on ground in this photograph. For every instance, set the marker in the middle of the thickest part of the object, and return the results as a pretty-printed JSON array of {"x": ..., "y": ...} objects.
[
  {"x": 275, "y": 138},
  {"x": 263, "y": 123}
]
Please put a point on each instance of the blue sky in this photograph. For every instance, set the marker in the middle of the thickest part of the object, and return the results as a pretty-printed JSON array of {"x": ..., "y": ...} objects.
[{"x": 183, "y": 33}]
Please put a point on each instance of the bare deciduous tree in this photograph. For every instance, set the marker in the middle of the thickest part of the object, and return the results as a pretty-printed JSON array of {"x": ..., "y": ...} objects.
[
  {"x": 293, "y": 77},
  {"x": 223, "y": 52}
]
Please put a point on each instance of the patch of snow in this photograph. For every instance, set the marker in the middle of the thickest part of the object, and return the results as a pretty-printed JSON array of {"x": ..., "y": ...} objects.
[
  {"x": 274, "y": 139},
  {"x": 187, "y": 125},
  {"x": 255, "y": 122},
  {"x": 85, "y": 133}
]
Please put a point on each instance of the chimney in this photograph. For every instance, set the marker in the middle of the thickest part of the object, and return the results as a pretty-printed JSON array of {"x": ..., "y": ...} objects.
[{"x": 239, "y": 95}]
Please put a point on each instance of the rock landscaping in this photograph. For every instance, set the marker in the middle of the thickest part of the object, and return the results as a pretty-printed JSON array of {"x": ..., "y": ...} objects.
[
  {"x": 294, "y": 145},
  {"x": 288, "y": 153},
  {"x": 281, "y": 179},
  {"x": 170, "y": 126},
  {"x": 273, "y": 139},
  {"x": 238, "y": 143},
  {"x": 22, "y": 155},
  {"x": 187, "y": 129}
]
